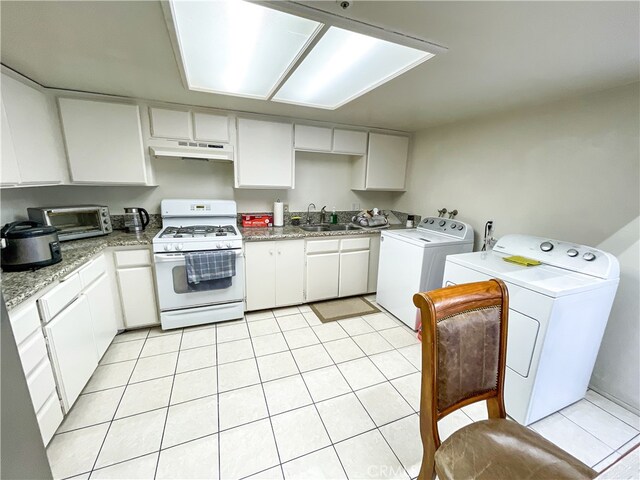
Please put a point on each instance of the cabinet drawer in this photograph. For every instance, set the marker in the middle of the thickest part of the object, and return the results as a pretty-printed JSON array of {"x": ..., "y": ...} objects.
[
  {"x": 354, "y": 244},
  {"x": 323, "y": 246},
  {"x": 91, "y": 272},
  {"x": 49, "y": 417},
  {"x": 24, "y": 322},
  {"x": 62, "y": 295},
  {"x": 41, "y": 384},
  {"x": 133, "y": 258},
  {"x": 32, "y": 351}
]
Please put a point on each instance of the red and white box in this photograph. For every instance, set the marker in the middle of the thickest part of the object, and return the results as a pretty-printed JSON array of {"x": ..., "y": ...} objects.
[{"x": 257, "y": 220}]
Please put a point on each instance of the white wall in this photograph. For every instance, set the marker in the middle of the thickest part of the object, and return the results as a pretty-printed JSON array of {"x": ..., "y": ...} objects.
[
  {"x": 320, "y": 178},
  {"x": 568, "y": 170}
]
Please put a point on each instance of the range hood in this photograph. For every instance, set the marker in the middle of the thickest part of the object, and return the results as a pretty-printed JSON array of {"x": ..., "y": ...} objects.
[{"x": 191, "y": 149}]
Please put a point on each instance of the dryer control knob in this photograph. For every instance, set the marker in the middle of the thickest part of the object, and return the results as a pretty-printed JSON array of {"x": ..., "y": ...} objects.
[
  {"x": 431, "y": 221},
  {"x": 572, "y": 252},
  {"x": 460, "y": 227},
  {"x": 589, "y": 257},
  {"x": 442, "y": 223},
  {"x": 546, "y": 246},
  {"x": 453, "y": 226}
]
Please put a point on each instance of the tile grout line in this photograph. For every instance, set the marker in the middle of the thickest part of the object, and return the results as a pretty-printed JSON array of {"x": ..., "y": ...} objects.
[
  {"x": 166, "y": 417},
  {"x": 93, "y": 467},
  {"x": 218, "y": 405},
  {"x": 610, "y": 413}
]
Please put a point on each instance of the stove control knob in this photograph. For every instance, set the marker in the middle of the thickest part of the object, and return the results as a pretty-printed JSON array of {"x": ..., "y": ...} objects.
[
  {"x": 167, "y": 247},
  {"x": 460, "y": 227},
  {"x": 589, "y": 257},
  {"x": 228, "y": 244},
  {"x": 219, "y": 245},
  {"x": 178, "y": 246},
  {"x": 442, "y": 223},
  {"x": 572, "y": 252},
  {"x": 546, "y": 246}
]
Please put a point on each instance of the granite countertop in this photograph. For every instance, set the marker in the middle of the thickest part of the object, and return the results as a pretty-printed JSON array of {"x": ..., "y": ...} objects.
[
  {"x": 252, "y": 234},
  {"x": 18, "y": 286}
]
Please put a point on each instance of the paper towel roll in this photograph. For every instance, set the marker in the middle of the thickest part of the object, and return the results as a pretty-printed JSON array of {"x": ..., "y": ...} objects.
[{"x": 278, "y": 214}]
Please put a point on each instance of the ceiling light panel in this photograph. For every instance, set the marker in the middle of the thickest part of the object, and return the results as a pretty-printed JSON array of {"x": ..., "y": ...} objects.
[
  {"x": 344, "y": 65},
  {"x": 238, "y": 48}
]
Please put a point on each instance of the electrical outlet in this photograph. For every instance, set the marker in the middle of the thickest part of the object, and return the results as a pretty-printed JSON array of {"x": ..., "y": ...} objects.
[
  {"x": 286, "y": 208},
  {"x": 355, "y": 206}
]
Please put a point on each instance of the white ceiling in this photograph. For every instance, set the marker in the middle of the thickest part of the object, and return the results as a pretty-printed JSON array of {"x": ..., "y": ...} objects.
[{"x": 501, "y": 55}]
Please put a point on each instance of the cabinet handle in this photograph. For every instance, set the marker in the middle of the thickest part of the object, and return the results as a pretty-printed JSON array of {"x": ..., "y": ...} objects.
[
  {"x": 270, "y": 252},
  {"x": 279, "y": 252}
]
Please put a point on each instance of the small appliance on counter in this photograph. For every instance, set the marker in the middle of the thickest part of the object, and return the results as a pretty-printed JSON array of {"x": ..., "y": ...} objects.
[
  {"x": 136, "y": 219},
  {"x": 74, "y": 222},
  {"x": 29, "y": 246}
]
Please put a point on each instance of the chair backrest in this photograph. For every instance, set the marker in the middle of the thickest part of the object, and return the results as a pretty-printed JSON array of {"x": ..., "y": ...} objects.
[{"x": 464, "y": 344}]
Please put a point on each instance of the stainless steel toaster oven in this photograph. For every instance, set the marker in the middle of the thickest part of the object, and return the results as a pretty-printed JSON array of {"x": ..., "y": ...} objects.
[{"x": 80, "y": 221}]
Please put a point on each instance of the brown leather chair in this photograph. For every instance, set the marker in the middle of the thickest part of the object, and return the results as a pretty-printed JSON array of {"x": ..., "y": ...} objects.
[{"x": 464, "y": 347}]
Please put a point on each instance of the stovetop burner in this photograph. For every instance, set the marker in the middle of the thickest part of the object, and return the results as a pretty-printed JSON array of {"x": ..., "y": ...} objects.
[{"x": 199, "y": 231}]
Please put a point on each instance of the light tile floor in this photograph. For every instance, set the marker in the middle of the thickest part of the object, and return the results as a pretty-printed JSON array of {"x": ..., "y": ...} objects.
[{"x": 281, "y": 395}]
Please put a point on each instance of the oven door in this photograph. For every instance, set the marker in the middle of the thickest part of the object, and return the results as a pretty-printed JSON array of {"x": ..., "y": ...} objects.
[{"x": 174, "y": 292}]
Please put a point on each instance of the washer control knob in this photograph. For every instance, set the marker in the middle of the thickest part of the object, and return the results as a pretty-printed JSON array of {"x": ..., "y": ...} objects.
[
  {"x": 460, "y": 227},
  {"x": 442, "y": 223},
  {"x": 167, "y": 247},
  {"x": 178, "y": 246},
  {"x": 589, "y": 257},
  {"x": 572, "y": 252},
  {"x": 546, "y": 246}
]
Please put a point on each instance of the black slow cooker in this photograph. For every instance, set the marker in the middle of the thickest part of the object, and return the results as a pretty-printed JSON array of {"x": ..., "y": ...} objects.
[{"x": 29, "y": 246}]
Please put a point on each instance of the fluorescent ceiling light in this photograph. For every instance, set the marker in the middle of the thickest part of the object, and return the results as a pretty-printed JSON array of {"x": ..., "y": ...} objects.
[
  {"x": 344, "y": 65},
  {"x": 238, "y": 48}
]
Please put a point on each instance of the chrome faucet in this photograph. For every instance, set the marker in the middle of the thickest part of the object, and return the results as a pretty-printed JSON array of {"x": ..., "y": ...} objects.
[
  {"x": 323, "y": 214},
  {"x": 308, "y": 216}
]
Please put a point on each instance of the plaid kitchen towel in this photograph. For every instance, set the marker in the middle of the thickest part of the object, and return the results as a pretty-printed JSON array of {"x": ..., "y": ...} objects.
[{"x": 204, "y": 266}]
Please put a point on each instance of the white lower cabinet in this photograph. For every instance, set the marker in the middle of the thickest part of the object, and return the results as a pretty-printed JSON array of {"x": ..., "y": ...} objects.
[
  {"x": 337, "y": 268},
  {"x": 73, "y": 350},
  {"x": 103, "y": 313},
  {"x": 274, "y": 273},
  {"x": 137, "y": 288}
]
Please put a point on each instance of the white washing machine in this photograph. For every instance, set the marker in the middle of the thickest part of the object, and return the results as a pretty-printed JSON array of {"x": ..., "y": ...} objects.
[
  {"x": 557, "y": 315},
  {"x": 412, "y": 261}
]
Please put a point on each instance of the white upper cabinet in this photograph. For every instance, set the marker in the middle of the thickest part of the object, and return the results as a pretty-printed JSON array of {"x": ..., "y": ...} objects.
[
  {"x": 352, "y": 142},
  {"x": 316, "y": 139},
  {"x": 385, "y": 165},
  {"x": 208, "y": 127},
  {"x": 170, "y": 123},
  {"x": 10, "y": 174},
  {"x": 265, "y": 154},
  {"x": 104, "y": 142},
  {"x": 189, "y": 125},
  {"x": 34, "y": 132}
]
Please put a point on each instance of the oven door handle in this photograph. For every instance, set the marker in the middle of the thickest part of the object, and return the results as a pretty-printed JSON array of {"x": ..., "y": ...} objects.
[{"x": 177, "y": 257}]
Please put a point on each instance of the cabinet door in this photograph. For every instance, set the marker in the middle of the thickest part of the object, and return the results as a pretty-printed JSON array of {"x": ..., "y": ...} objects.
[
  {"x": 265, "y": 154},
  {"x": 170, "y": 123},
  {"x": 260, "y": 273},
  {"x": 104, "y": 142},
  {"x": 387, "y": 162},
  {"x": 73, "y": 349},
  {"x": 322, "y": 276},
  {"x": 211, "y": 128},
  {"x": 10, "y": 173},
  {"x": 289, "y": 272},
  {"x": 138, "y": 297},
  {"x": 35, "y": 132},
  {"x": 349, "y": 141},
  {"x": 315, "y": 139},
  {"x": 103, "y": 313},
  {"x": 354, "y": 273}
]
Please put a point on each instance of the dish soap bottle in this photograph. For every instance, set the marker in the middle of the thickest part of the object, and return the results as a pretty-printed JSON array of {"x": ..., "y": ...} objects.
[{"x": 334, "y": 216}]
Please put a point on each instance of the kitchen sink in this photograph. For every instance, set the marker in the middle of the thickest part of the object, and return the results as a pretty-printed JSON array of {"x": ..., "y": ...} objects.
[
  {"x": 315, "y": 228},
  {"x": 343, "y": 226}
]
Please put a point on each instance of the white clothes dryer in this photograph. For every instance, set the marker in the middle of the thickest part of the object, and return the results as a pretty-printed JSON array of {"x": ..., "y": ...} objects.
[
  {"x": 412, "y": 261},
  {"x": 557, "y": 315}
]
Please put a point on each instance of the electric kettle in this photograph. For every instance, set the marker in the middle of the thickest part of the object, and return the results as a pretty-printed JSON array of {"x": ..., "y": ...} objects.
[{"x": 135, "y": 219}]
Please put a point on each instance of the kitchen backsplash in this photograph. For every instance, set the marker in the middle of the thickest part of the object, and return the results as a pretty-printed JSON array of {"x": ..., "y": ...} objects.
[{"x": 155, "y": 221}]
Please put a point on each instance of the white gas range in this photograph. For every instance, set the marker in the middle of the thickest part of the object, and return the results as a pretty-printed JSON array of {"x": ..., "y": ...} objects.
[{"x": 189, "y": 228}]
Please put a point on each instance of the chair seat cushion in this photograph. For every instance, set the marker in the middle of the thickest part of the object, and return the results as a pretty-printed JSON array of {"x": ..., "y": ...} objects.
[{"x": 498, "y": 449}]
